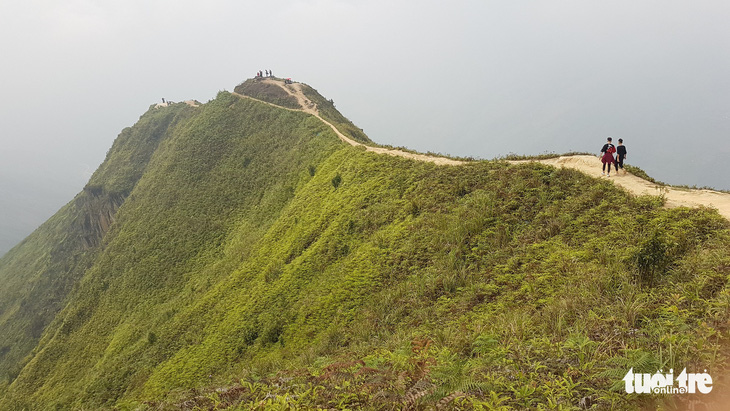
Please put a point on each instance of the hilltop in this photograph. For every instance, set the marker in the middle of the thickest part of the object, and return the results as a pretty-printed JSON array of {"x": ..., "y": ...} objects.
[{"x": 259, "y": 249}]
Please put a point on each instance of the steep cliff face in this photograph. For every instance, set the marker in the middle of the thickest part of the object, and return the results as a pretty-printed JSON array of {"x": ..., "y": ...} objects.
[
  {"x": 38, "y": 274},
  {"x": 223, "y": 175},
  {"x": 98, "y": 210}
]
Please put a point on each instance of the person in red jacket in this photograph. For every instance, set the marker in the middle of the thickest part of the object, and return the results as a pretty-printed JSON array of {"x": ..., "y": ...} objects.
[{"x": 607, "y": 156}]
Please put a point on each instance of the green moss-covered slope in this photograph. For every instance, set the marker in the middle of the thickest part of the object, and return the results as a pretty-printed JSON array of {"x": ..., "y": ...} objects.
[
  {"x": 38, "y": 274},
  {"x": 256, "y": 260}
]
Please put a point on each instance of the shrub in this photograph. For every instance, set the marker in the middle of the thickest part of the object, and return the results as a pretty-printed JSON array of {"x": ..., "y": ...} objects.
[
  {"x": 652, "y": 258},
  {"x": 336, "y": 180}
]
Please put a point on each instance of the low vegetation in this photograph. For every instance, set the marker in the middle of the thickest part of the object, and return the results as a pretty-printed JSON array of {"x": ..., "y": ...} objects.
[
  {"x": 270, "y": 93},
  {"x": 328, "y": 111},
  {"x": 39, "y": 273},
  {"x": 543, "y": 156},
  {"x": 260, "y": 263}
]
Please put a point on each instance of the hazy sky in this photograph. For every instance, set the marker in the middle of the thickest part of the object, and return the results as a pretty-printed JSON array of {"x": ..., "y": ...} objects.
[{"x": 470, "y": 78}]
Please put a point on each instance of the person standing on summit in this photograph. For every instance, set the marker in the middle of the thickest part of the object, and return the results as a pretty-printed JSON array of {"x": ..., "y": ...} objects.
[{"x": 607, "y": 156}]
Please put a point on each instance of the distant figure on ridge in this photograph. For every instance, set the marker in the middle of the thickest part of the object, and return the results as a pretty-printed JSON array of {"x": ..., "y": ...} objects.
[
  {"x": 271, "y": 73},
  {"x": 620, "y": 155},
  {"x": 607, "y": 157}
]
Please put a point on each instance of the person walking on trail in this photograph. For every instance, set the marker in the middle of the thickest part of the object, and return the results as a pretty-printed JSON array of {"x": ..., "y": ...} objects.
[
  {"x": 607, "y": 156},
  {"x": 620, "y": 155}
]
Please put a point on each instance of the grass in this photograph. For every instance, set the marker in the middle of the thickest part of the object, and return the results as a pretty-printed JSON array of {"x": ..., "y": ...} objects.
[
  {"x": 642, "y": 174},
  {"x": 259, "y": 262},
  {"x": 428, "y": 153},
  {"x": 38, "y": 274},
  {"x": 328, "y": 112},
  {"x": 544, "y": 156},
  {"x": 267, "y": 92}
]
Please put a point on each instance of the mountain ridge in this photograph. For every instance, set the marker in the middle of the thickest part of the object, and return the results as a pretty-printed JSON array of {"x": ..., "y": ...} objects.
[
  {"x": 274, "y": 89},
  {"x": 253, "y": 242}
]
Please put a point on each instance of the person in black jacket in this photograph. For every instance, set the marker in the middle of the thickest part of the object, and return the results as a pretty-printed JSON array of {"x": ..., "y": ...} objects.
[{"x": 620, "y": 155}]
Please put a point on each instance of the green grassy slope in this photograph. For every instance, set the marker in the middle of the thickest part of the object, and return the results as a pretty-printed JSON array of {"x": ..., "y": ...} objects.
[
  {"x": 259, "y": 253},
  {"x": 477, "y": 279},
  {"x": 276, "y": 95},
  {"x": 234, "y": 157},
  {"x": 38, "y": 274},
  {"x": 328, "y": 112}
]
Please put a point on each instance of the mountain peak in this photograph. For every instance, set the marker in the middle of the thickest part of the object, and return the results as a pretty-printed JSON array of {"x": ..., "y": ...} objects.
[{"x": 240, "y": 250}]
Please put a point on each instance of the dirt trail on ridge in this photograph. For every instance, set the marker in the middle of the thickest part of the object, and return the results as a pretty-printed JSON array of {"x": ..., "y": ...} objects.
[
  {"x": 295, "y": 90},
  {"x": 675, "y": 197}
]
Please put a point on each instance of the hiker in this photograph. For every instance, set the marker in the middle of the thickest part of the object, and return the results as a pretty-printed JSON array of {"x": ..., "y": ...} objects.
[
  {"x": 620, "y": 155},
  {"x": 271, "y": 73},
  {"x": 607, "y": 157}
]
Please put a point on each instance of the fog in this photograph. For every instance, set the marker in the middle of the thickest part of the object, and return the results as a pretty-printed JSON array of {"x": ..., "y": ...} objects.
[{"x": 467, "y": 78}]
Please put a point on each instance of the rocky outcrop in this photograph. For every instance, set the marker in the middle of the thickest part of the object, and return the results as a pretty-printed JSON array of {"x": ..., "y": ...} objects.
[{"x": 98, "y": 211}]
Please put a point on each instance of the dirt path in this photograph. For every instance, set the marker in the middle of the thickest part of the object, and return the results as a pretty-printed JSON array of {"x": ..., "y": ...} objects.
[
  {"x": 675, "y": 197},
  {"x": 310, "y": 107}
]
